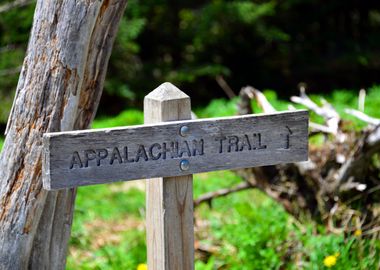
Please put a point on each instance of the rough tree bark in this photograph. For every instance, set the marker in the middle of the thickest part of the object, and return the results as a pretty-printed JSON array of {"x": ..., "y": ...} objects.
[{"x": 59, "y": 89}]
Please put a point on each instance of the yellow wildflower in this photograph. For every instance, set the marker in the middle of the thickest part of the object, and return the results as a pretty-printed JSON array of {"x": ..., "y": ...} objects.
[
  {"x": 330, "y": 261},
  {"x": 358, "y": 232},
  {"x": 142, "y": 266}
]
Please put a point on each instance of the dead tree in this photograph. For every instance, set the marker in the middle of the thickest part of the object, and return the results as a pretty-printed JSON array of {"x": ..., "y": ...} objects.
[
  {"x": 339, "y": 186},
  {"x": 59, "y": 89}
]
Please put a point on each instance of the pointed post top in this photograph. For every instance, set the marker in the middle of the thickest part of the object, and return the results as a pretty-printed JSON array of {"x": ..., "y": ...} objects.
[{"x": 166, "y": 91}]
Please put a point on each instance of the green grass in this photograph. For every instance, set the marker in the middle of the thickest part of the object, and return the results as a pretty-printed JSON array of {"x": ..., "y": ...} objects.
[
  {"x": 247, "y": 230},
  {"x": 1, "y": 142}
]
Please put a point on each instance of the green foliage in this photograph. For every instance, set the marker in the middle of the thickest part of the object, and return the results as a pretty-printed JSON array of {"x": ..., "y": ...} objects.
[
  {"x": 14, "y": 28},
  {"x": 126, "y": 255},
  {"x": 249, "y": 230},
  {"x": 1, "y": 142},
  {"x": 126, "y": 118},
  {"x": 269, "y": 44},
  {"x": 218, "y": 108},
  {"x": 244, "y": 243},
  {"x": 88, "y": 209},
  {"x": 124, "y": 64}
]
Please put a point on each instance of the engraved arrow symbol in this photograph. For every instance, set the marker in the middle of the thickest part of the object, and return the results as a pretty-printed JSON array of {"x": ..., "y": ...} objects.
[{"x": 287, "y": 138}]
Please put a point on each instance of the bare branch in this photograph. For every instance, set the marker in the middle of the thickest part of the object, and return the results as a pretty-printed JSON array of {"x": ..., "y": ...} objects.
[
  {"x": 208, "y": 197},
  {"x": 327, "y": 111},
  {"x": 10, "y": 71},
  {"x": 15, "y": 4},
  {"x": 361, "y": 100},
  {"x": 321, "y": 128},
  {"x": 364, "y": 117},
  {"x": 262, "y": 101},
  {"x": 365, "y": 148},
  {"x": 224, "y": 85}
]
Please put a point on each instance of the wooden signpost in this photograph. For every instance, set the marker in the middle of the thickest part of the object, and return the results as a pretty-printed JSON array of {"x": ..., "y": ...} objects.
[{"x": 169, "y": 148}]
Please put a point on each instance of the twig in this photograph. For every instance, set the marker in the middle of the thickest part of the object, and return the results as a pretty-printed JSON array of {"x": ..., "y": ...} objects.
[
  {"x": 224, "y": 85},
  {"x": 263, "y": 102},
  {"x": 364, "y": 117},
  {"x": 371, "y": 190},
  {"x": 208, "y": 197},
  {"x": 17, "y": 3},
  {"x": 10, "y": 71},
  {"x": 327, "y": 111},
  {"x": 321, "y": 128},
  {"x": 371, "y": 231},
  {"x": 357, "y": 162},
  {"x": 361, "y": 100}
]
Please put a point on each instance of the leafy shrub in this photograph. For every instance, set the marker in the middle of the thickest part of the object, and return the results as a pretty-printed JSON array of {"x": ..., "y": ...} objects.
[{"x": 125, "y": 118}]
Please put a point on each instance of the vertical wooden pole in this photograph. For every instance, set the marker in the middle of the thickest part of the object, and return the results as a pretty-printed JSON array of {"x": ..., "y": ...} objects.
[{"x": 169, "y": 201}]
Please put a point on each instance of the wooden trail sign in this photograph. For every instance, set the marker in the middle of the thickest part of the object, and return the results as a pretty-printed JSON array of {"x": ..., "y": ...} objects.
[
  {"x": 171, "y": 152},
  {"x": 89, "y": 157}
]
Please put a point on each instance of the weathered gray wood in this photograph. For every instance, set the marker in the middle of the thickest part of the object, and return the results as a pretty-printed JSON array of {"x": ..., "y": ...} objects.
[
  {"x": 59, "y": 88},
  {"x": 169, "y": 201},
  {"x": 100, "y": 156}
]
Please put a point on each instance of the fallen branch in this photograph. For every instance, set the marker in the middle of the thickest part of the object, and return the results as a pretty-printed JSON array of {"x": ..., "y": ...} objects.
[
  {"x": 10, "y": 71},
  {"x": 15, "y": 4},
  {"x": 359, "y": 159},
  {"x": 224, "y": 85},
  {"x": 336, "y": 187},
  {"x": 326, "y": 111},
  {"x": 317, "y": 128},
  {"x": 364, "y": 117},
  {"x": 341, "y": 168},
  {"x": 208, "y": 197},
  {"x": 262, "y": 101}
]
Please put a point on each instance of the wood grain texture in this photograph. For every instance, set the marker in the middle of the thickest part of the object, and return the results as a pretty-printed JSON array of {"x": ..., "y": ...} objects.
[
  {"x": 137, "y": 152},
  {"x": 59, "y": 88},
  {"x": 169, "y": 201}
]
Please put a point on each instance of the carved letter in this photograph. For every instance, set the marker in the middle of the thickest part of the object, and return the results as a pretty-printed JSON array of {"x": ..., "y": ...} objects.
[
  {"x": 89, "y": 155},
  {"x": 126, "y": 159},
  {"x": 76, "y": 160},
  {"x": 220, "y": 139},
  {"x": 287, "y": 141},
  {"x": 261, "y": 146},
  {"x": 185, "y": 149},
  {"x": 287, "y": 137},
  {"x": 173, "y": 150},
  {"x": 100, "y": 154},
  {"x": 233, "y": 143},
  {"x": 141, "y": 153},
  {"x": 198, "y": 146},
  {"x": 257, "y": 138},
  {"x": 245, "y": 143},
  {"x": 174, "y": 146},
  {"x": 116, "y": 155},
  {"x": 151, "y": 155}
]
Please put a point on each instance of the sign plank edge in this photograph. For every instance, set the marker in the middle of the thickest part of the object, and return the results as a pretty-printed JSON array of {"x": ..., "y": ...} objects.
[{"x": 302, "y": 115}]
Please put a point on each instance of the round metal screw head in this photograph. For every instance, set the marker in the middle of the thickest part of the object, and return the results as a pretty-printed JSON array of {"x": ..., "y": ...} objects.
[
  {"x": 184, "y": 165},
  {"x": 184, "y": 131}
]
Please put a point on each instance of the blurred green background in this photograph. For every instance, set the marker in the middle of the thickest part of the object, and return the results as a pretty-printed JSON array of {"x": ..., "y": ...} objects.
[{"x": 267, "y": 44}]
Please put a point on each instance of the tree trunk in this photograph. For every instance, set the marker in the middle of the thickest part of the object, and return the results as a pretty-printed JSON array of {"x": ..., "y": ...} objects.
[{"x": 59, "y": 89}]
